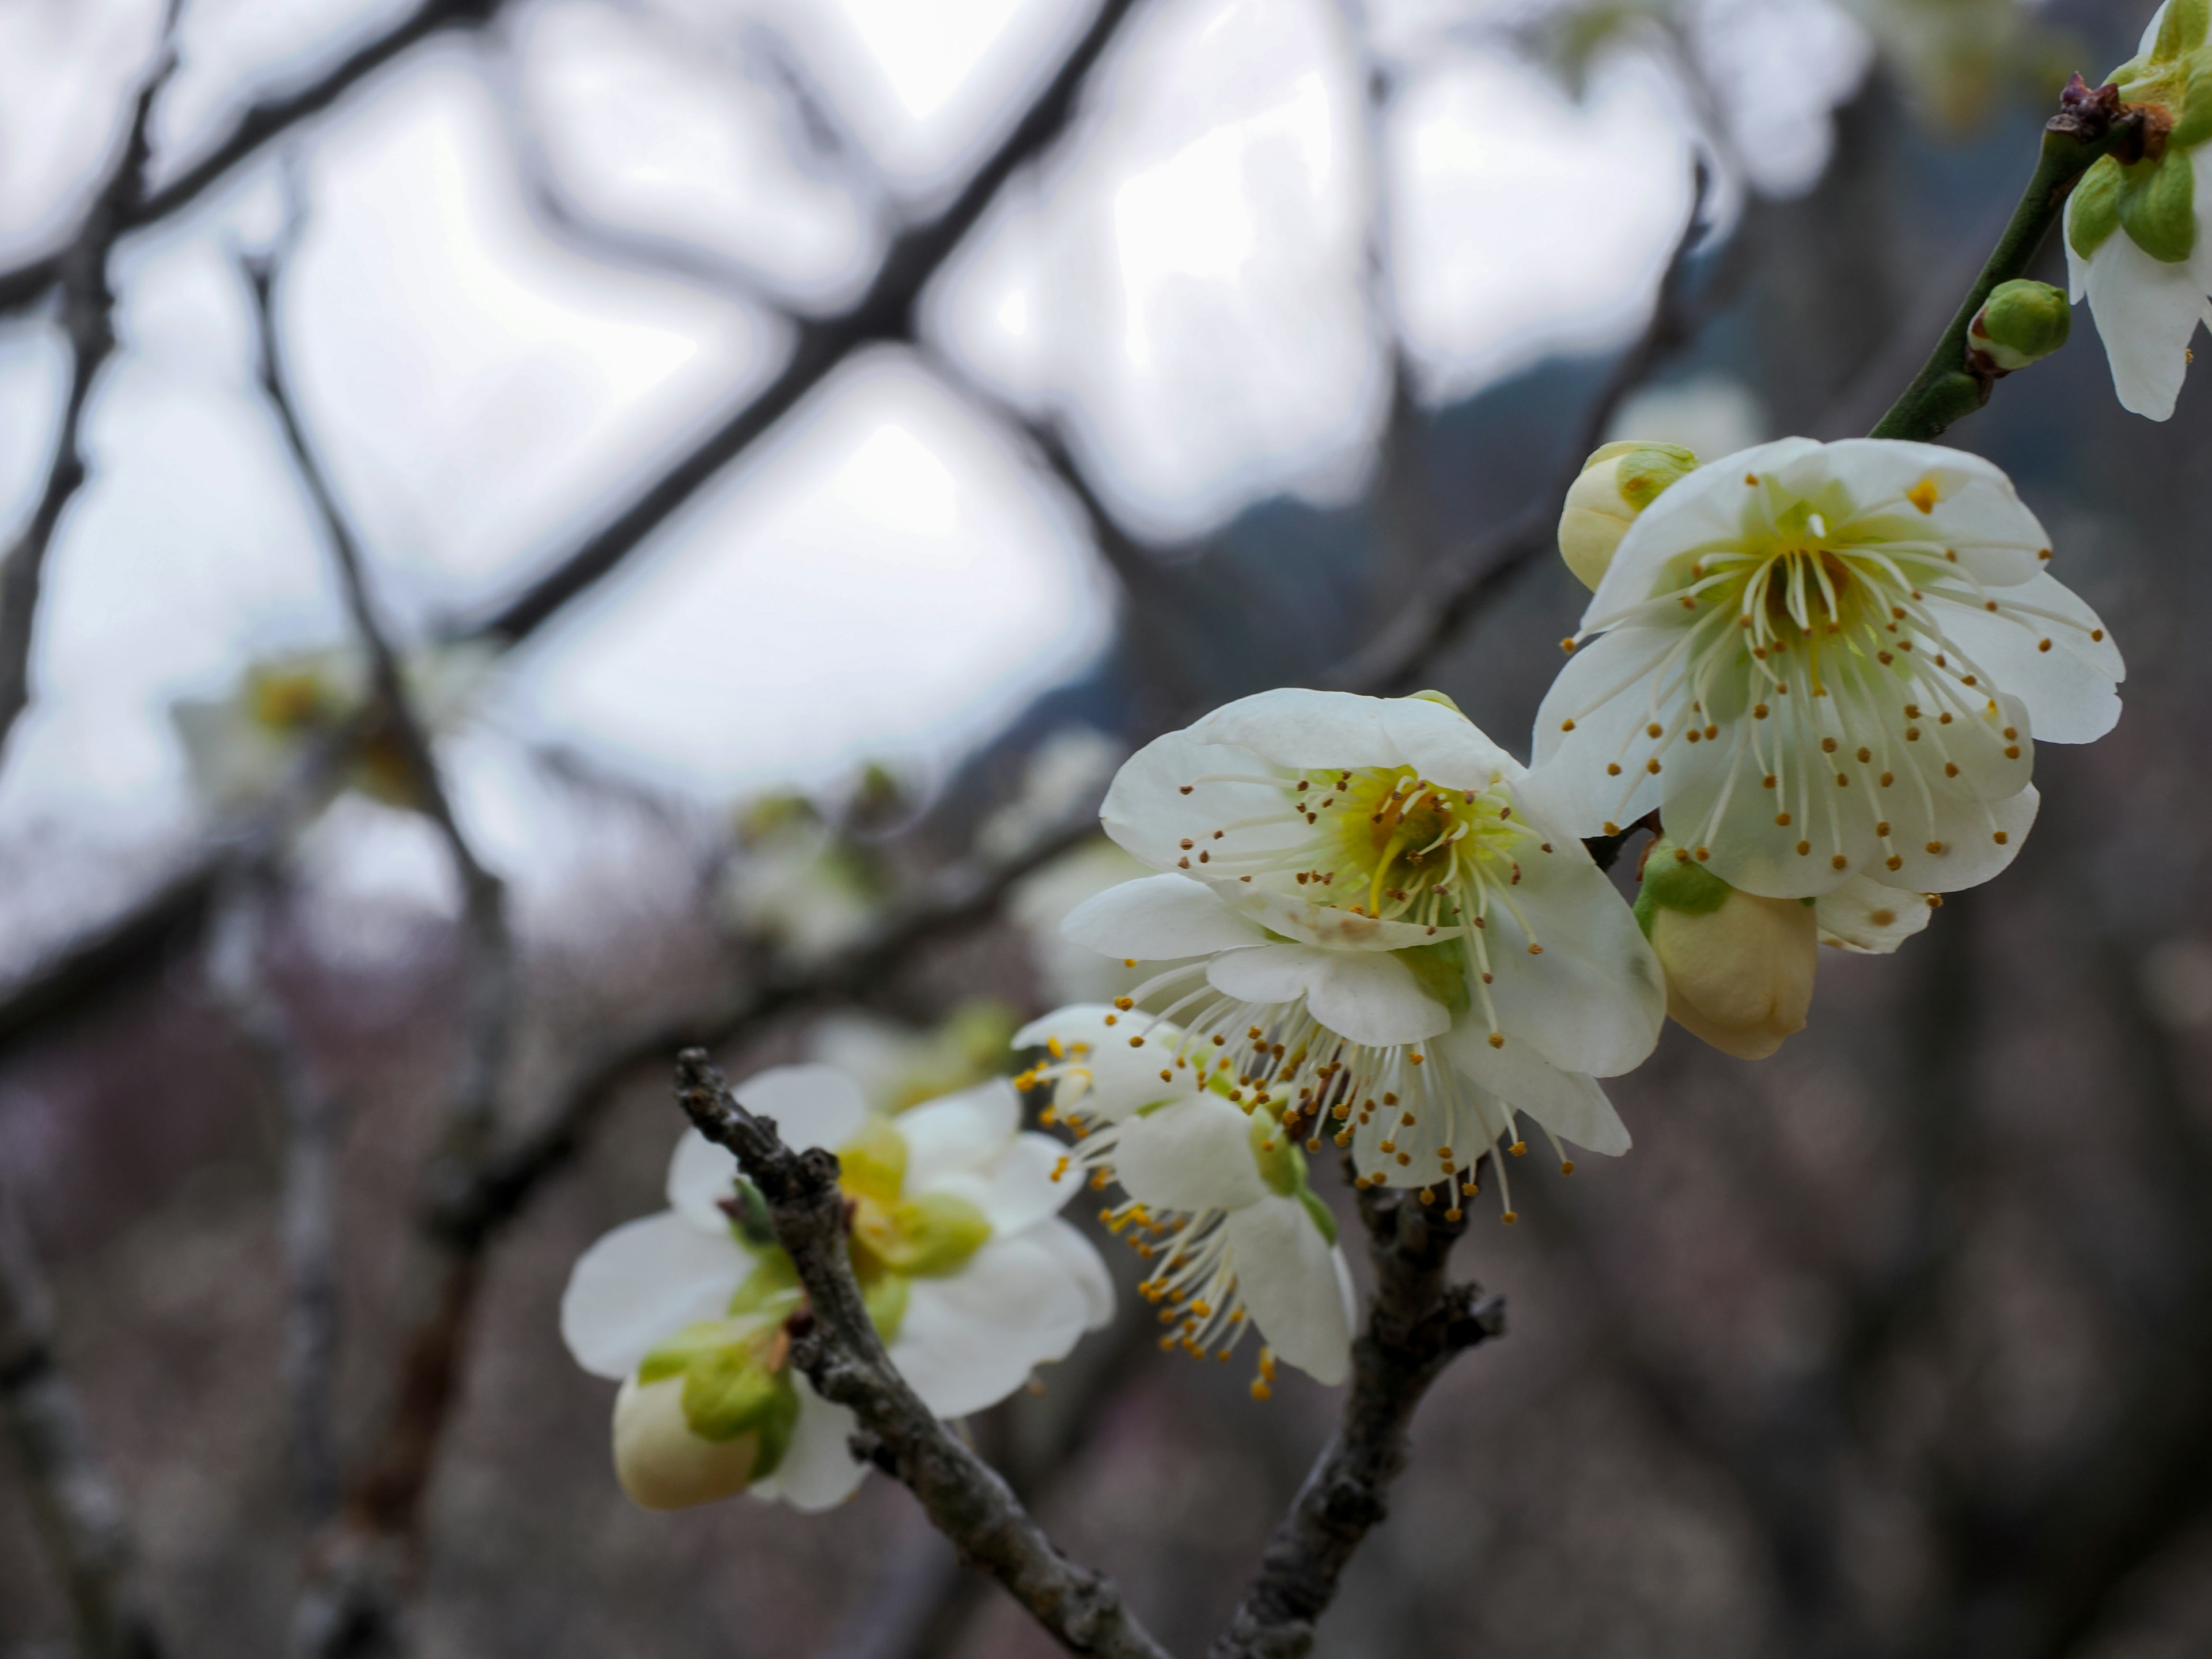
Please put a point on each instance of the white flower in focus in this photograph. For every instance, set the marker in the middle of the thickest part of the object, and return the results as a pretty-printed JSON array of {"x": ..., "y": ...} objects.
[
  {"x": 2136, "y": 241},
  {"x": 1824, "y": 661},
  {"x": 1385, "y": 936},
  {"x": 242, "y": 748},
  {"x": 1217, "y": 1196},
  {"x": 971, "y": 1277}
]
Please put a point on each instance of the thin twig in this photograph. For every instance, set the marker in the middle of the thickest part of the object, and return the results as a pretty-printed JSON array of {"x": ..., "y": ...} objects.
[
  {"x": 77, "y": 1506},
  {"x": 351, "y": 1596},
  {"x": 87, "y": 317},
  {"x": 1461, "y": 587},
  {"x": 835, "y": 1344},
  {"x": 262, "y": 122},
  {"x": 1417, "y": 1323},
  {"x": 884, "y": 312},
  {"x": 307, "y": 1194}
]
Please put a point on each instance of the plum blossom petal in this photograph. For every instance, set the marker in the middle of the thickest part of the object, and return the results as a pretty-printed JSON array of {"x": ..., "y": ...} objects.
[
  {"x": 643, "y": 1282},
  {"x": 1295, "y": 1286},
  {"x": 1159, "y": 917},
  {"x": 1869, "y": 919},
  {"x": 1193, "y": 1155},
  {"x": 1367, "y": 996},
  {"x": 818, "y": 1471},
  {"x": 970, "y": 1338}
]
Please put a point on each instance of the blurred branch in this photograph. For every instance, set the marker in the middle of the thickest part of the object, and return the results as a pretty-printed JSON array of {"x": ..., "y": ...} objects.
[
  {"x": 1461, "y": 587},
  {"x": 884, "y": 312},
  {"x": 109, "y": 220},
  {"x": 1416, "y": 1324},
  {"x": 77, "y": 1507},
  {"x": 350, "y": 1596},
  {"x": 2090, "y": 126},
  {"x": 834, "y": 1344},
  {"x": 307, "y": 1194},
  {"x": 87, "y": 319}
]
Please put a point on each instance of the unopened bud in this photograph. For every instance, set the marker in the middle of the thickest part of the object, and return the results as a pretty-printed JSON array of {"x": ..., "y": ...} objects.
[
  {"x": 661, "y": 1463},
  {"x": 1618, "y": 483},
  {"x": 2021, "y": 322},
  {"x": 1739, "y": 967}
]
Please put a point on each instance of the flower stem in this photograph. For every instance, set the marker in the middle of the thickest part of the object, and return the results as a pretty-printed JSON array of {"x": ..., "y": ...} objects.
[{"x": 1952, "y": 386}]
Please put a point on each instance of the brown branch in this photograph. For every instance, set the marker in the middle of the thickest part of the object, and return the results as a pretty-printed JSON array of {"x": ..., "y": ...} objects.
[
  {"x": 262, "y": 122},
  {"x": 88, "y": 318},
  {"x": 1417, "y": 1323},
  {"x": 307, "y": 1199},
  {"x": 835, "y": 1343},
  {"x": 884, "y": 312},
  {"x": 1461, "y": 587},
  {"x": 352, "y": 1592},
  {"x": 77, "y": 1506}
]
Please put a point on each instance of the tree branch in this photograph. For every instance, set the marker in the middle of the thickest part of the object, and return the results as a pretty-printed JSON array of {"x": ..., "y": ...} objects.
[
  {"x": 77, "y": 1507},
  {"x": 268, "y": 119},
  {"x": 1416, "y": 1324},
  {"x": 884, "y": 312},
  {"x": 87, "y": 317},
  {"x": 1950, "y": 387},
  {"x": 835, "y": 1343}
]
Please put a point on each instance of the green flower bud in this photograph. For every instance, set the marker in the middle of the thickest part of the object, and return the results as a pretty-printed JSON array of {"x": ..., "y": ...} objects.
[
  {"x": 2021, "y": 322},
  {"x": 1618, "y": 483},
  {"x": 1739, "y": 967},
  {"x": 709, "y": 1412},
  {"x": 2158, "y": 209}
]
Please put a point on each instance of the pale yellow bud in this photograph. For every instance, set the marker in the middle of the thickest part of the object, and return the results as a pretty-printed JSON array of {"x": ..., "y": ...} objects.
[
  {"x": 661, "y": 1463},
  {"x": 1618, "y": 483},
  {"x": 1739, "y": 976}
]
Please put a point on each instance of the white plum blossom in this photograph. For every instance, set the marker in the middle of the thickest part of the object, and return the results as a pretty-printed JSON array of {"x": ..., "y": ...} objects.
[
  {"x": 1386, "y": 939},
  {"x": 971, "y": 1278},
  {"x": 1826, "y": 661},
  {"x": 242, "y": 748},
  {"x": 2136, "y": 242},
  {"x": 1217, "y": 1198}
]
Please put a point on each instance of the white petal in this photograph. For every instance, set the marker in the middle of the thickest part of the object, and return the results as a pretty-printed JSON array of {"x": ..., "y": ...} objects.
[
  {"x": 1108, "y": 1078},
  {"x": 1295, "y": 1286},
  {"x": 1568, "y": 1103},
  {"x": 1158, "y": 918},
  {"x": 1967, "y": 833},
  {"x": 818, "y": 1471},
  {"x": 1444, "y": 745},
  {"x": 1030, "y": 1180},
  {"x": 1869, "y": 919},
  {"x": 1605, "y": 691},
  {"x": 1594, "y": 1000},
  {"x": 1331, "y": 924},
  {"x": 1294, "y": 727},
  {"x": 1171, "y": 791},
  {"x": 1193, "y": 1155},
  {"x": 970, "y": 1340},
  {"x": 1080, "y": 1260},
  {"x": 642, "y": 1283},
  {"x": 812, "y": 1105},
  {"x": 2068, "y": 689},
  {"x": 700, "y": 1176},
  {"x": 959, "y": 1134},
  {"x": 2146, "y": 311},
  {"x": 1705, "y": 509},
  {"x": 1365, "y": 995}
]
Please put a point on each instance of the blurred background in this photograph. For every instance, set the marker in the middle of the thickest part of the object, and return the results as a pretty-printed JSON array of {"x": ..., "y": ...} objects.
[{"x": 795, "y": 451}]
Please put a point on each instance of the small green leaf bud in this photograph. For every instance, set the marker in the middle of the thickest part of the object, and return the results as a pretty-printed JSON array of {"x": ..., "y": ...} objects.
[
  {"x": 1739, "y": 967},
  {"x": 1618, "y": 483},
  {"x": 2021, "y": 322}
]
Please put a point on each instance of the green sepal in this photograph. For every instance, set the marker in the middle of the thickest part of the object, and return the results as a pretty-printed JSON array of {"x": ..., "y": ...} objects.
[
  {"x": 775, "y": 1278},
  {"x": 2095, "y": 213},
  {"x": 1323, "y": 1219},
  {"x": 748, "y": 1213},
  {"x": 728, "y": 1389},
  {"x": 924, "y": 1238},
  {"x": 2193, "y": 124},
  {"x": 2159, "y": 207},
  {"x": 1673, "y": 883},
  {"x": 1280, "y": 1161},
  {"x": 886, "y": 1295},
  {"x": 2181, "y": 29}
]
